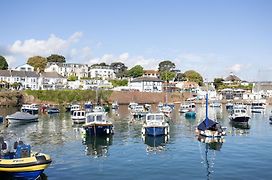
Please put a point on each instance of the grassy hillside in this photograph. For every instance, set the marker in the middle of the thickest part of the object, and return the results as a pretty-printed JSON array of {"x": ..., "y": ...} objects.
[{"x": 68, "y": 96}]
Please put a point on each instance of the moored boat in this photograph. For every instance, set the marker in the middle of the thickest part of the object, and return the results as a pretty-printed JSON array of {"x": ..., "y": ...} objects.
[
  {"x": 21, "y": 117},
  {"x": 208, "y": 127},
  {"x": 88, "y": 106},
  {"x": 257, "y": 107},
  {"x": 155, "y": 125},
  {"x": 30, "y": 108},
  {"x": 22, "y": 162},
  {"x": 52, "y": 110},
  {"x": 78, "y": 116},
  {"x": 187, "y": 107},
  {"x": 190, "y": 114},
  {"x": 138, "y": 112},
  {"x": 239, "y": 115},
  {"x": 96, "y": 123},
  {"x": 74, "y": 107}
]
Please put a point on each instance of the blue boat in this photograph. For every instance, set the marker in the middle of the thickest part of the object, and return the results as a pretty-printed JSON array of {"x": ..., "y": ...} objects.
[
  {"x": 208, "y": 127},
  {"x": 88, "y": 106},
  {"x": 155, "y": 125},
  {"x": 97, "y": 124},
  {"x": 190, "y": 114},
  {"x": 21, "y": 162},
  {"x": 52, "y": 110}
]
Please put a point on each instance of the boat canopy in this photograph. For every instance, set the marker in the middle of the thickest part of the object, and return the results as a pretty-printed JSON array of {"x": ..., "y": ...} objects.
[
  {"x": 207, "y": 124},
  {"x": 21, "y": 115}
]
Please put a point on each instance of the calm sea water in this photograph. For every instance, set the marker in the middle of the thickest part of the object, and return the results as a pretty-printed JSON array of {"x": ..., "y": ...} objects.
[{"x": 244, "y": 154}]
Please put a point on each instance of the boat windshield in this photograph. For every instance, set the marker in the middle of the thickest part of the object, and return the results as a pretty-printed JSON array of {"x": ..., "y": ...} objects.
[
  {"x": 155, "y": 117},
  {"x": 98, "y": 118}
]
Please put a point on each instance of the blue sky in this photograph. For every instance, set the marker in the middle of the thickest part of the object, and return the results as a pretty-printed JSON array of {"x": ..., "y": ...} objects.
[{"x": 213, "y": 37}]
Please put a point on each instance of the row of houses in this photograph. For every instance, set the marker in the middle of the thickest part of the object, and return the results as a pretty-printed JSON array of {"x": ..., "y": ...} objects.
[
  {"x": 81, "y": 70},
  {"x": 56, "y": 74}
]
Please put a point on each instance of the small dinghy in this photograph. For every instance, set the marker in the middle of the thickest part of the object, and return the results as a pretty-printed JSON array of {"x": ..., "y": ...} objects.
[{"x": 21, "y": 117}]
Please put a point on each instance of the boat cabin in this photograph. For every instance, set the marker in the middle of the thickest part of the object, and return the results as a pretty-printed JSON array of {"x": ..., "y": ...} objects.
[{"x": 98, "y": 117}]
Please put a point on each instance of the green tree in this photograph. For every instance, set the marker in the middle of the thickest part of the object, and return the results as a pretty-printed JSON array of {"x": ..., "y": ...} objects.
[
  {"x": 166, "y": 66},
  {"x": 119, "y": 68},
  {"x": 16, "y": 85},
  {"x": 116, "y": 82},
  {"x": 38, "y": 62},
  {"x": 180, "y": 77},
  {"x": 56, "y": 58},
  {"x": 167, "y": 75},
  {"x": 136, "y": 71},
  {"x": 99, "y": 64},
  {"x": 72, "y": 78},
  {"x": 218, "y": 82},
  {"x": 3, "y": 63},
  {"x": 194, "y": 76}
]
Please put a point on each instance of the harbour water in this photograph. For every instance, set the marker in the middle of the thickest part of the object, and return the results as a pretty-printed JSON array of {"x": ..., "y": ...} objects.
[{"x": 244, "y": 154}]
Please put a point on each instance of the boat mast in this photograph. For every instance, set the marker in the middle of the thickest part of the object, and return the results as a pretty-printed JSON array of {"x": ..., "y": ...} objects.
[{"x": 206, "y": 119}]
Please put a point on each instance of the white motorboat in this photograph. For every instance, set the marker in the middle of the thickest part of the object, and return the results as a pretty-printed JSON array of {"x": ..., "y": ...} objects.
[
  {"x": 187, "y": 107},
  {"x": 257, "y": 107},
  {"x": 155, "y": 125},
  {"x": 30, "y": 108},
  {"x": 21, "y": 117},
  {"x": 239, "y": 115},
  {"x": 97, "y": 123},
  {"x": 78, "y": 116}
]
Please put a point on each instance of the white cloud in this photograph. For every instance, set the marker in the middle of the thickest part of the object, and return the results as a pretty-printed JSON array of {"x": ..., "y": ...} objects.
[
  {"x": 123, "y": 57},
  {"x": 52, "y": 45},
  {"x": 235, "y": 68},
  {"x": 10, "y": 59}
]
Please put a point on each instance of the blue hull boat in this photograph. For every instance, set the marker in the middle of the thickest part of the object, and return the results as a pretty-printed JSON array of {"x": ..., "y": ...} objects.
[
  {"x": 99, "y": 130},
  {"x": 155, "y": 131},
  {"x": 190, "y": 114}
]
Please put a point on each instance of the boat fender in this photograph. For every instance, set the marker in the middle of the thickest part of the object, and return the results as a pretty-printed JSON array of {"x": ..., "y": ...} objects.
[
  {"x": 143, "y": 130},
  {"x": 165, "y": 131},
  {"x": 107, "y": 131}
]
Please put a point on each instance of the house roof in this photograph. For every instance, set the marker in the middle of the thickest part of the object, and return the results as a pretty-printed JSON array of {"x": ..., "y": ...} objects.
[
  {"x": 51, "y": 75},
  {"x": 14, "y": 73},
  {"x": 5, "y": 73},
  {"x": 144, "y": 79},
  {"x": 232, "y": 77},
  {"x": 151, "y": 72}
]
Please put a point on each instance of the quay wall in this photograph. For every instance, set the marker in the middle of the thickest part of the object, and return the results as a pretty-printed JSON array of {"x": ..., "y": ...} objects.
[{"x": 123, "y": 97}]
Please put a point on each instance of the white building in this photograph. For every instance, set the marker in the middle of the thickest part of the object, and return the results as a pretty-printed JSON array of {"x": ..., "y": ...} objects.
[
  {"x": 89, "y": 84},
  {"x": 27, "y": 79},
  {"x": 52, "y": 81},
  {"x": 68, "y": 69},
  {"x": 25, "y": 67},
  {"x": 101, "y": 72},
  {"x": 146, "y": 84},
  {"x": 202, "y": 91},
  {"x": 151, "y": 73}
]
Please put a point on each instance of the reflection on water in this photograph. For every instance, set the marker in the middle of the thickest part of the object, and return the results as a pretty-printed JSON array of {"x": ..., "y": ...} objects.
[
  {"x": 239, "y": 128},
  {"x": 155, "y": 143},
  {"x": 57, "y": 136},
  {"x": 208, "y": 148},
  {"x": 97, "y": 146}
]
